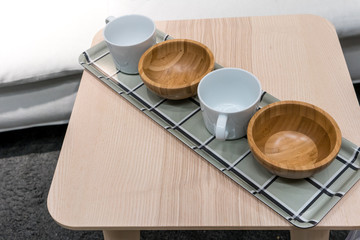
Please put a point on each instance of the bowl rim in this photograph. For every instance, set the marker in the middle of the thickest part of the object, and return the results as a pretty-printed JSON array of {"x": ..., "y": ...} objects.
[
  {"x": 149, "y": 81},
  {"x": 304, "y": 168}
]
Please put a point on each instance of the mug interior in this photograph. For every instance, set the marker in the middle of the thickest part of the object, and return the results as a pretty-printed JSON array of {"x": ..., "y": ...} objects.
[
  {"x": 129, "y": 30},
  {"x": 229, "y": 90}
]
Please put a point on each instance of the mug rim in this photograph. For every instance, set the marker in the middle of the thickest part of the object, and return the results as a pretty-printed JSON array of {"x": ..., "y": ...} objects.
[
  {"x": 225, "y": 69},
  {"x": 126, "y": 16}
]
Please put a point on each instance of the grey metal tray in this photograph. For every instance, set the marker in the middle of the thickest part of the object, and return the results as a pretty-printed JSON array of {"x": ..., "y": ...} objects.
[{"x": 302, "y": 202}]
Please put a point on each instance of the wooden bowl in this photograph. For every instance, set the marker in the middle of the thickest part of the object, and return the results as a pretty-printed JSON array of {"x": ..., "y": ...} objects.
[
  {"x": 293, "y": 139},
  {"x": 173, "y": 69}
]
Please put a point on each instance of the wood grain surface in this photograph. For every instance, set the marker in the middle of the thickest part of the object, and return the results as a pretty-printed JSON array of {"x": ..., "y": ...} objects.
[{"x": 120, "y": 170}]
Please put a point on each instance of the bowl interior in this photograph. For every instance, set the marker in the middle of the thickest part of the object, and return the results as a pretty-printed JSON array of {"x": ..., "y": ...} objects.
[
  {"x": 295, "y": 136},
  {"x": 177, "y": 63}
]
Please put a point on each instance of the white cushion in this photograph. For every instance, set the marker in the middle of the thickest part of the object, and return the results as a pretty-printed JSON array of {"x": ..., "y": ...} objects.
[
  {"x": 39, "y": 49},
  {"x": 38, "y": 103},
  {"x": 42, "y": 39}
]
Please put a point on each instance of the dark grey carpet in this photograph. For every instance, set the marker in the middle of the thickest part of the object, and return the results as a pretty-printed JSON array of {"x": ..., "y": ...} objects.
[{"x": 27, "y": 163}]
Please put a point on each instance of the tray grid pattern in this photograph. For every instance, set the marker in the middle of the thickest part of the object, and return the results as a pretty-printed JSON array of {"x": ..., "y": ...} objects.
[{"x": 302, "y": 202}]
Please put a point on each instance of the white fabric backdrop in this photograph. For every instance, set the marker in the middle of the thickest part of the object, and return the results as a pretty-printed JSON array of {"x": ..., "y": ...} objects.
[{"x": 41, "y": 41}]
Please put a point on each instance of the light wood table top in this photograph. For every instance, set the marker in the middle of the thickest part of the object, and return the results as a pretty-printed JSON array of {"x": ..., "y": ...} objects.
[{"x": 119, "y": 170}]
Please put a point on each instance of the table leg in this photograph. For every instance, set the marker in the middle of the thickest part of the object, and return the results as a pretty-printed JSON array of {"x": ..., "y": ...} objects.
[
  {"x": 309, "y": 234},
  {"x": 121, "y": 235}
]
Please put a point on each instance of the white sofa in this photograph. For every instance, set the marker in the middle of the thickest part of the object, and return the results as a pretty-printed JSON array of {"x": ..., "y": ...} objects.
[{"x": 41, "y": 41}]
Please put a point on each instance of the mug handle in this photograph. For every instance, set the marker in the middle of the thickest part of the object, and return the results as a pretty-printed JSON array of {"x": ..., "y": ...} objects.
[
  {"x": 220, "y": 128},
  {"x": 109, "y": 19}
]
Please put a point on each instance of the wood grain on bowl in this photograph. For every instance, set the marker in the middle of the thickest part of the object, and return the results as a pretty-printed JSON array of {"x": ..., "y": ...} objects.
[
  {"x": 173, "y": 69},
  {"x": 293, "y": 139}
]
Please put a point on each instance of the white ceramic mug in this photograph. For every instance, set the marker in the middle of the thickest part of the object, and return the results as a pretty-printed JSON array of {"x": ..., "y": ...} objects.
[
  {"x": 127, "y": 38},
  {"x": 229, "y": 97}
]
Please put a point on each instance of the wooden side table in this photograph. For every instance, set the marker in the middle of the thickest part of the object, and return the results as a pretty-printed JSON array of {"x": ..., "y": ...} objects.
[{"x": 120, "y": 172}]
